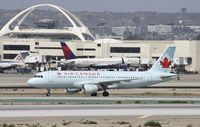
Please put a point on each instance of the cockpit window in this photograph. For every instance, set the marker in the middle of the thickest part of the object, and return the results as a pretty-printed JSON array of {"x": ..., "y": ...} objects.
[{"x": 38, "y": 76}]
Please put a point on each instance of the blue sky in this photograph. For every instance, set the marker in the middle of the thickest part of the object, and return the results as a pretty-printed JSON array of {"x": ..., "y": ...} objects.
[{"x": 109, "y": 5}]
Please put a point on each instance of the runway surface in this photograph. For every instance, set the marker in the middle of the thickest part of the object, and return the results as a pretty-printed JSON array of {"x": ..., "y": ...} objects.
[
  {"x": 20, "y": 81},
  {"x": 182, "y": 98},
  {"x": 99, "y": 110},
  {"x": 142, "y": 111},
  {"x": 168, "y": 85}
]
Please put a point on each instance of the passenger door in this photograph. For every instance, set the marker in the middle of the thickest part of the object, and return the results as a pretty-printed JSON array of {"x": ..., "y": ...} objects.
[{"x": 50, "y": 76}]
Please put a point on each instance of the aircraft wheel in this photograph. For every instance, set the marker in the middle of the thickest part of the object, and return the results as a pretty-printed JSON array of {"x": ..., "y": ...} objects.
[
  {"x": 178, "y": 78},
  {"x": 105, "y": 94},
  {"x": 48, "y": 93},
  {"x": 94, "y": 94}
]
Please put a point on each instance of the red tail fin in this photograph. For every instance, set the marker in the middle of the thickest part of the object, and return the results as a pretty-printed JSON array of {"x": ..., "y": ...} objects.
[{"x": 68, "y": 54}]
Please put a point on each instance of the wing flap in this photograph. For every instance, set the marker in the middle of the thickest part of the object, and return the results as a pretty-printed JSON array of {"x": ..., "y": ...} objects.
[{"x": 79, "y": 84}]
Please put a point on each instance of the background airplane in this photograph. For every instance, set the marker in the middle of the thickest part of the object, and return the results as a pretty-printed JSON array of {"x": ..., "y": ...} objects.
[
  {"x": 17, "y": 62},
  {"x": 92, "y": 81},
  {"x": 99, "y": 63}
]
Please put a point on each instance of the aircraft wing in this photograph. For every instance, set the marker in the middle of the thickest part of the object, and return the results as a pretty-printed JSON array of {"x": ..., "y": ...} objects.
[
  {"x": 114, "y": 81},
  {"x": 80, "y": 84}
]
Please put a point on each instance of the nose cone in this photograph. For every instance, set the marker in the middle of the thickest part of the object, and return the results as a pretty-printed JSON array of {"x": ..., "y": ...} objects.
[{"x": 32, "y": 82}]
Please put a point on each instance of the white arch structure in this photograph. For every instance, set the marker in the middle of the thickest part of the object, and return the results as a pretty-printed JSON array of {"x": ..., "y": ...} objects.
[{"x": 78, "y": 28}]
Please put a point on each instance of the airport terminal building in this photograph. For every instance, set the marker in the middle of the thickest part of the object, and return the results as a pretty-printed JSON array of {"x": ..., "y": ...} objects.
[{"x": 45, "y": 41}]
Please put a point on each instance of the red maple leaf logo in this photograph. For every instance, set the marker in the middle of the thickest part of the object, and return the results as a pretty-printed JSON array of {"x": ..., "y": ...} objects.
[{"x": 165, "y": 63}]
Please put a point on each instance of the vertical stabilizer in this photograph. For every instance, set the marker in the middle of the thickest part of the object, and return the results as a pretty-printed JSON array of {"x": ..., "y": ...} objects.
[
  {"x": 19, "y": 58},
  {"x": 163, "y": 64},
  {"x": 68, "y": 54}
]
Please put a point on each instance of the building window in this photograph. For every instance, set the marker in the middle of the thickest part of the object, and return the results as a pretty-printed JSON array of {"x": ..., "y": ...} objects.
[
  {"x": 125, "y": 49},
  {"x": 16, "y": 47},
  {"x": 98, "y": 45},
  {"x": 9, "y": 56},
  {"x": 86, "y": 49},
  {"x": 79, "y": 49},
  {"x": 56, "y": 57},
  {"x": 85, "y": 56},
  {"x": 48, "y": 48},
  {"x": 36, "y": 43}
]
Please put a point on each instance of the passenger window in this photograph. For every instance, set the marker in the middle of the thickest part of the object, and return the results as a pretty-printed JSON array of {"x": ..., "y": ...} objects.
[{"x": 38, "y": 76}]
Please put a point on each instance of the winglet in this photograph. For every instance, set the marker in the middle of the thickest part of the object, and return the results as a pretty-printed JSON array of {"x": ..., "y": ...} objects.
[
  {"x": 165, "y": 60},
  {"x": 68, "y": 54}
]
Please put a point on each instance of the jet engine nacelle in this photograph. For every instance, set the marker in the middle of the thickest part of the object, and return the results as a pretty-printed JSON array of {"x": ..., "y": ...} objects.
[
  {"x": 89, "y": 88},
  {"x": 72, "y": 90}
]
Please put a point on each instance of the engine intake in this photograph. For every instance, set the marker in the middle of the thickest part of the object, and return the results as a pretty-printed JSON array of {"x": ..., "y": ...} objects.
[{"x": 89, "y": 88}]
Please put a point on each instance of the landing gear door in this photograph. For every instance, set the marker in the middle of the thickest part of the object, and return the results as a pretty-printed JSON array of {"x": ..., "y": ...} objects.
[{"x": 51, "y": 76}]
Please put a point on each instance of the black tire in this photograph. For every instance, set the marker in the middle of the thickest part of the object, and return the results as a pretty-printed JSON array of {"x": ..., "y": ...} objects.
[
  {"x": 93, "y": 94},
  {"x": 105, "y": 94},
  {"x": 48, "y": 94}
]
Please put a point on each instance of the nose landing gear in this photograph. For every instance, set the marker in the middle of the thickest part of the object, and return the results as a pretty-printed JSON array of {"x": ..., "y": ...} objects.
[{"x": 48, "y": 93}]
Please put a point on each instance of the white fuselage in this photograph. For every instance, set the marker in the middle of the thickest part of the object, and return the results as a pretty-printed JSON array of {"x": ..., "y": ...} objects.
[
  {"x": 92, "y": 81},
  {"x": 112, "y": 79},
  {"x": 88, "y": 62},
  {"x": 9, "y": 64}
]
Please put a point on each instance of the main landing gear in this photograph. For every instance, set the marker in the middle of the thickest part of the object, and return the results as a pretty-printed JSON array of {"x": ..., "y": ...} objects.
[
  {"x": 93, "y": 94},
  {"x": 48, "y": 93},
  {"x": 105, "y": 94}
]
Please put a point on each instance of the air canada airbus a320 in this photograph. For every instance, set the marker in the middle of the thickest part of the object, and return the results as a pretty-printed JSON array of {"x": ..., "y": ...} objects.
[{"x": 93, "y": 81}]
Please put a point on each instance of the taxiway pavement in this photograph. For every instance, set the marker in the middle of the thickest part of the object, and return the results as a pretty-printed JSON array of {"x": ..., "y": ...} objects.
[
  {"x": 19, "y": 111},
  {"x": 170, "y": 98}
]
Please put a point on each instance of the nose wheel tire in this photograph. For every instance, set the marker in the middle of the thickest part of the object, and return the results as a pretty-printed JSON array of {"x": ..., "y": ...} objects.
[
  {"x": 48, "y": 93},
  {"x": 105, "y": 94}
]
